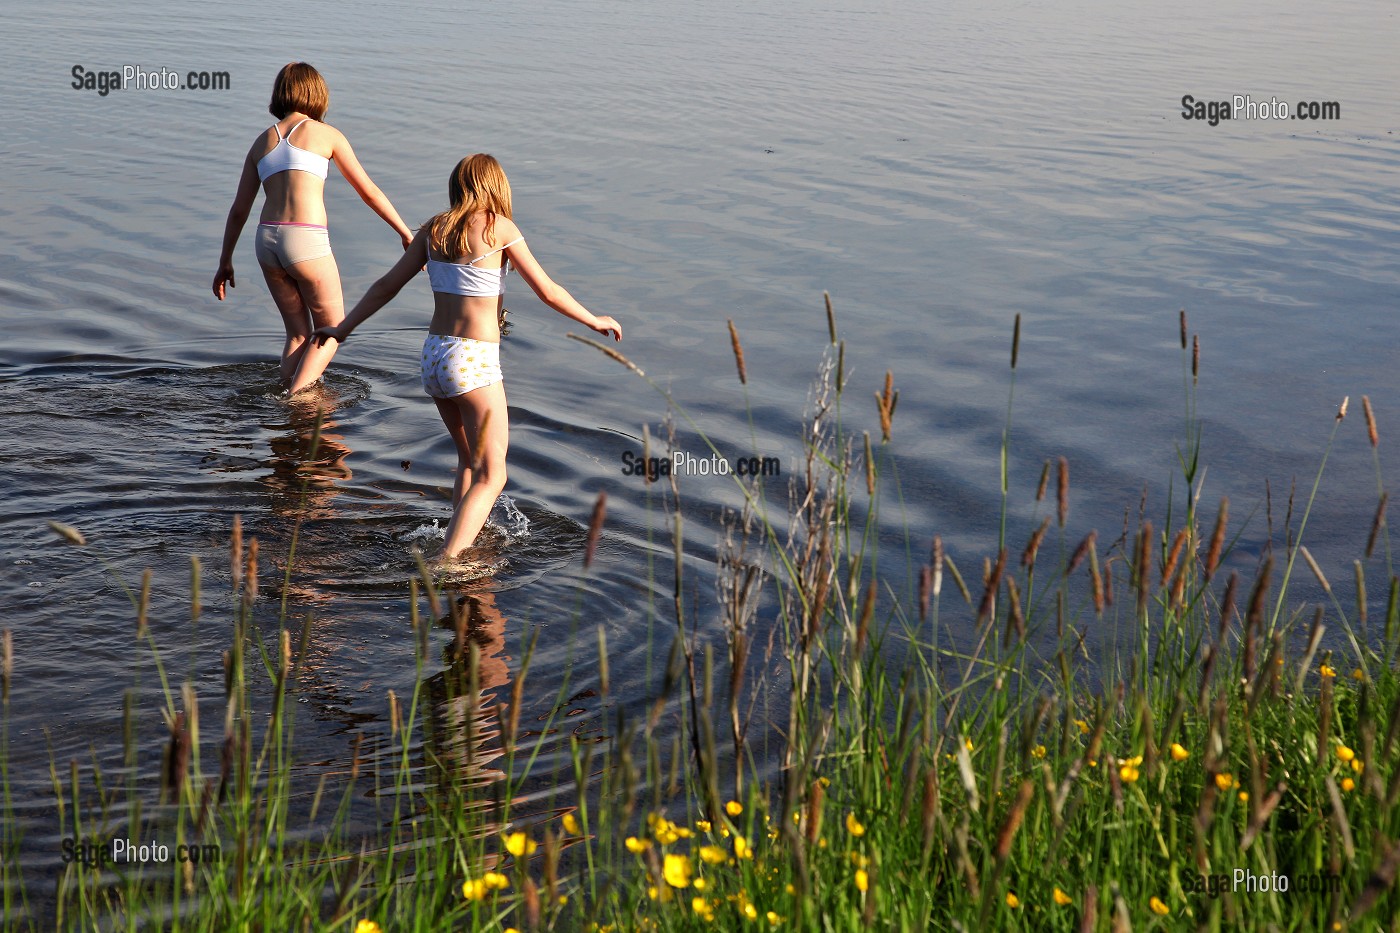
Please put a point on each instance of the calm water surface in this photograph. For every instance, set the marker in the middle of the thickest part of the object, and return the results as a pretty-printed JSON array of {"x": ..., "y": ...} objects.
[{"x": 938, "y": 168}]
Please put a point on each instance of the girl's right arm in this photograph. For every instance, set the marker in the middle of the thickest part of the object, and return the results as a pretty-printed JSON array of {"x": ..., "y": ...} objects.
[
  {"x": 237, "y": 216},
  {"x": 344, "y": 158},
  {"x": 381, "y": 292}
]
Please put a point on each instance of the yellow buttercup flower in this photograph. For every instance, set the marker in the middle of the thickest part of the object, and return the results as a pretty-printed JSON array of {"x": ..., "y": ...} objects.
[
  {"x": 1179, "y": 753},
  {"x": 853, "y": 825},
  {"x": 571, "y": 825},
  {"x": 1358, "y": 674},
  {"x": 1357, "y": 765},
  {"x": 676, "y": 870},
  {"x": 1038, "y": 751},
  {"x": 1244, "y": 796},
  {"x": 862, "y": 880},
  {"x": 474, "y": 889},
  {"x": 1159, "y": 906},
  {"x": 733, "y": 808},
  {"x": 773, "y": 918},
  {"x": 1062, "y": 898},
  {"x": 1012, "y": 900},
  {"x": 1226, "y": 781},
  {"x": 1083, "y": 726},
  {"x": 495, "y": 881},
  {"x": 713, "y": 855},
  {"x": 519, "y": 844},
  {"x": 742, "y": 849},
  {"x": 700, "y": 884},
  {"x": 1348, "y": 785},
  {"x": 1345, "y": 753},
  {"x": 1129, "y": 774},
  {"x": 702, "y": 825},
  {"x": 1327, "y": 671},
  {"x": 968, "y": 743},
  {"x": 636, "y": 846},
  {"x": 367, "y": 926}
]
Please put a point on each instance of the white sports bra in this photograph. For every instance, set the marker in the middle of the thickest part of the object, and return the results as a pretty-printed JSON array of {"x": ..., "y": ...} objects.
[
  {"x": 467, "y": 279},
  {"x": 285, "y": 157}
]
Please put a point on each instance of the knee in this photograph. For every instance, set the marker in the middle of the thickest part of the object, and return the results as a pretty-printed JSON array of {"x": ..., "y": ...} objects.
[{"x": 492, "y": 474}]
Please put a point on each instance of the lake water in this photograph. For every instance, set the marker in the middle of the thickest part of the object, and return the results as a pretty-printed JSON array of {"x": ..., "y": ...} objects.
[{"x": 938, "y": 168}]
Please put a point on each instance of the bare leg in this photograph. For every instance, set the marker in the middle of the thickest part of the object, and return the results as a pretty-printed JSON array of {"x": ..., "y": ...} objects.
[
  {"x": 318, "y": 281},
  {"x": 479, "y": 416},
  {"x": 295, "y": 318}
]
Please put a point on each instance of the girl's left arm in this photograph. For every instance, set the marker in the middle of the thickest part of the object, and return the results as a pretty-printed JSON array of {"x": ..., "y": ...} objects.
[
  {"x": 237, "y": 216},
  {"x": 344, "y": 158}
]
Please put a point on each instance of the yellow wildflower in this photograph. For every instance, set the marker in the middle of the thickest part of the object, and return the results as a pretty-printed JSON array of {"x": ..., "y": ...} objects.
[
  {"x": 1062, "y": 898},
  {"x": 700, "y": 884},
  {"x": 1358, "y": 674},
  {"x": 474, "y": 889},
  {"x": 853, "y": 825},
  {"x": 742, "y": 849},
  {"x": 733, "y": 808},
  {"x": 1226, "y": 781},
  {"x": 1327, "y": 671},
  {"x": 1129, "y": 774},
  {"x": 1357, "y": 765},
  {"x": 1244, "y": 796},
  {"x": 702, "y": 825},
  {"x": 1179, "y": 753},
  {"x": 571, "y": 825},
  {"x": 1345, "y": 753},
  {"x": 519, "y": 844},
  {"x": 1348, "y": 785},
  {"x": 676, "y": 870},
  {"x": 774, "y": 919},
  {"x": 713, "y": 855},
  {"x": 862, "y": 880},
  {"x": 495, "y": 881},
  {"x": 824, "y": 781},
  {"x": 1012, "y": 900},
  {"x": 703, "y": 908},
  {"x": 968, "y": 743},
  {"x": 749, "y": 911},
  {"x": 1038, "y": 751},
  {"x": 1083, "y": 726},
  {"x": 367, "y": 926},
  {"x": 637, "y": 846},
  {"x": 1159, "y": 906}
]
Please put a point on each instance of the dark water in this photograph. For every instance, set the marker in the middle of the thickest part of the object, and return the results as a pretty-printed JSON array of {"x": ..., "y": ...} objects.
[{"x": 938, "y": 168}]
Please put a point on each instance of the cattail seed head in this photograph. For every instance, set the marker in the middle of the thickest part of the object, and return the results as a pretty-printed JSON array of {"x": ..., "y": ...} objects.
[
  {"x": 937, "y": 565},
  {"x": 1183, "y": 328},
  {"x": 595, "y": 528},
  {"x": 738, "y": 352},
  {"x": 1016, "y": 341},
  {"x": 1062, "y": 492},
  {"x": 1217, "y": 539},
  {"x": 1377, "y": 523},
  {"x": 7, "y": 664},
  {"x": 68, "y": 533}
]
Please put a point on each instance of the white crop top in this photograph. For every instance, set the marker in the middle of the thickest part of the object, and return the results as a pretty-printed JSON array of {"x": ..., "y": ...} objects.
[
  {"x": 285, "y": 157},
  {"x": 467, "y": 279}
]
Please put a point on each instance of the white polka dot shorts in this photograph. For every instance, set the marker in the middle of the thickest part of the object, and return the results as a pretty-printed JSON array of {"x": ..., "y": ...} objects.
[{"x": 454, "y": 366}]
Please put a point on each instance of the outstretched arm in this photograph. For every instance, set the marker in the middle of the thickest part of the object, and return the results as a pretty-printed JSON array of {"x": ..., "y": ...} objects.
[
  {"x": 368, "y": 191},
  {"x": 552, "y": 293},
  {"x": 381, "y": 292},
  {"x": 237, "y": 216}
]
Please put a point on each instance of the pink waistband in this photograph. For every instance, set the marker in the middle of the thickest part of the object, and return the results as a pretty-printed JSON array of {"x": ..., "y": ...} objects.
[{"x": 290, "y": 223}]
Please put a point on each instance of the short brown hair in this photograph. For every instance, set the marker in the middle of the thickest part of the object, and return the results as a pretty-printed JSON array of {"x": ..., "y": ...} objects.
[{"x": 299, "y": 88}]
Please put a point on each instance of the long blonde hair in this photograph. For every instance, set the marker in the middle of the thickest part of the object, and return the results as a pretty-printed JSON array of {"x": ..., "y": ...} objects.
[{"x": 478, "y": 183}]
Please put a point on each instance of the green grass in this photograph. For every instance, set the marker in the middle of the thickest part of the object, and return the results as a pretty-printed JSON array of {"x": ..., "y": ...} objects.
[{"x": 940, "y": 768}]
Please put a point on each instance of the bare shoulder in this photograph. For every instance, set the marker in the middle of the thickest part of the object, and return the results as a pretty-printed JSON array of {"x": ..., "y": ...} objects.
[
  {"x": 324, "y": 136},
  {"x": 506, "y": 230}
]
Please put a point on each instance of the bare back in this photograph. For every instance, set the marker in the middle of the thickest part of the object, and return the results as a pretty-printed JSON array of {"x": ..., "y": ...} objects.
[
  {"x": 295, "y": 196},
  {"x": 474, "y": 316}
]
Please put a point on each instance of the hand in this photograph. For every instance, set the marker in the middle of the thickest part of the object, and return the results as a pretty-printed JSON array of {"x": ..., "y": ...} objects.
[
  {"x": 225, "y": 274},
  {"x": 604, "y": 324},
  {"x": 322, "y": 334},
  {"x": 407, "y": 237}
]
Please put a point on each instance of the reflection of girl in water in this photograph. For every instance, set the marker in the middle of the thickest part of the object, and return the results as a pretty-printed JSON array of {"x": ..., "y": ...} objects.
[
  {"x": 463, "y": 727},
  {"x": 291, "y": 159},
  {"x": 466, "y": 249}
]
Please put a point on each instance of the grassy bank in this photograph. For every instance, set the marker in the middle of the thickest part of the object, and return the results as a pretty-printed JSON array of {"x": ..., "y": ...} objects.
[{"x": 970, "y": 750}]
